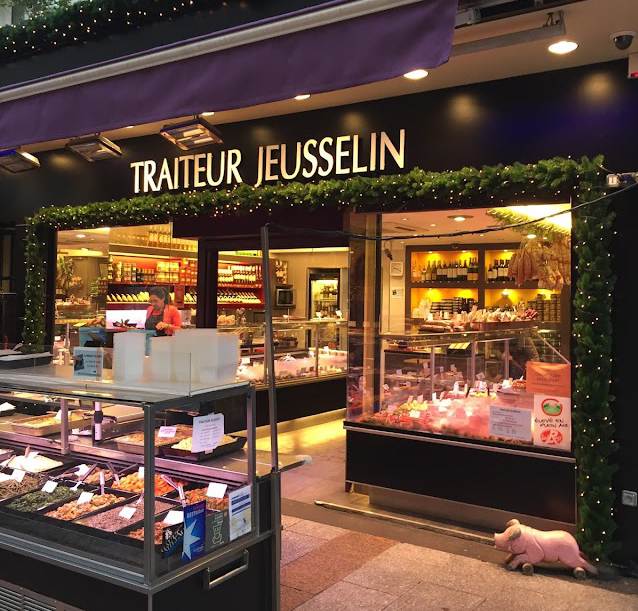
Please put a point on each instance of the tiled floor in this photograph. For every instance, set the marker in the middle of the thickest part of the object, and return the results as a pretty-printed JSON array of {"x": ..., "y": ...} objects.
[{"x": 325, "y": 568}]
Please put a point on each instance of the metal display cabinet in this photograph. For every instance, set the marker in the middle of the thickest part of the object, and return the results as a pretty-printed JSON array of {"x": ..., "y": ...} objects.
[{"x": 91, "y": 569}]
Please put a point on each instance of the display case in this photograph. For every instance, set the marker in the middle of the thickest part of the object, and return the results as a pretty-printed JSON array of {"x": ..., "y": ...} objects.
[{"x": 77, "y": 450}]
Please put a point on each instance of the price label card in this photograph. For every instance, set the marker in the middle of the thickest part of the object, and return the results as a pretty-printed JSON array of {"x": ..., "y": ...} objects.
[
  {"x": 245, "y": 360},
  {"x": 175, "y": 516},
  {"x": 420, "y": 399},
  {"x": 50, "y": 486},
  {"x": 58, "y": 416},
  {"x": 208, "y": 431},
  {"x": 140, "y": 473},
  {"x": 386, "y": 387},
  {"x": 32, "y": 455},
  {"x": 216, "y": 491},
  {"x": 399, "y": 372},
  {"x": 82, "y": 470},
  {"x": 127, "y": 512},
  {"x": 167, "y": 431},
  {"x": 18, "y": 475},
  {"x": 408, "y": 383},
  {"x": 410, "y": 399},
  {"x": 6, "y": 407},
  {"x": 415, "y": 413},
  {"x": 85, "y": 497}
]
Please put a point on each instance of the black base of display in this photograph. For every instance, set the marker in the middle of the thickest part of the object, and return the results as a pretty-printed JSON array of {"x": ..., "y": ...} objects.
[
  {"x": 298, "y": 400},
  {"x": 527, "y": 484}
]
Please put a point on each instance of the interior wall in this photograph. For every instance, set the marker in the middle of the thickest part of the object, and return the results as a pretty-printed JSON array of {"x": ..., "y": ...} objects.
[
  {"x": 298, "y": 264},
  {"x": 393, "y": 291}
]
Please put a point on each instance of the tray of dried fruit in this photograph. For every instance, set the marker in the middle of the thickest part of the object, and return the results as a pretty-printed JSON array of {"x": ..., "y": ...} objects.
[
  {"x": 198, "y": 493},
  {"x": 69, "y": 510},
  {"x": 134, "y": 442},
  {"x": 49, "y": 424},
  {"x": 132, "y": 482},
  {"x": 229, "y": 443},
  {"x": 133, "y": 534}
]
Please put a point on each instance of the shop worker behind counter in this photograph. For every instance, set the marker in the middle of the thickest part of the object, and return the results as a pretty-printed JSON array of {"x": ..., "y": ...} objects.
[{"x": 161, "y": 315}]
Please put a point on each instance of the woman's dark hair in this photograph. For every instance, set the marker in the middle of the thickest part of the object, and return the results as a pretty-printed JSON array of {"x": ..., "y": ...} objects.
[{"x": 162, "y": 293}]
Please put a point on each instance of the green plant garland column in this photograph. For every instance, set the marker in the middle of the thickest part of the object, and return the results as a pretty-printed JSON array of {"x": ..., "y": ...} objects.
[
  {"x": 35, "y": 285},
  {"x": 592, "y": 415}
]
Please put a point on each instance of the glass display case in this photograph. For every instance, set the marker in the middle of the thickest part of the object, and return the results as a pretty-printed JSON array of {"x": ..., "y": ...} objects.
[
  {"x": 304, "y": 350},
  {"x": 78, "y": 444}
]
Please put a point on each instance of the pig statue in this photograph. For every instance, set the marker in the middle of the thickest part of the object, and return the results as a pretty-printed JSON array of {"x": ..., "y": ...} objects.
[{"x": 528, "y": 546}]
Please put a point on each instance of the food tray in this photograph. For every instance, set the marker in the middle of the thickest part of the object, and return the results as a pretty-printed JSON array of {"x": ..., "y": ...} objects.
[
  {"x": 123, "y": 532},
  {"x": 124, "y": 444},
  {"x": 41, "y": 479},
  {"x": 237, "y": 444},
  {"x": 126, "y": 498},
  {"x": 21, "y": 427},
  {"x": 11, "y": 362},
  {"x": 52, "y": 471},
  {"x": 4, "y": 505}
]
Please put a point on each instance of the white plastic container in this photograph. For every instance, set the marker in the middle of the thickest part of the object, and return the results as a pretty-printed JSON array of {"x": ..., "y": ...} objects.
[
  {"x": 162, "y": 360},
  {"x": 129, "y": 349}
]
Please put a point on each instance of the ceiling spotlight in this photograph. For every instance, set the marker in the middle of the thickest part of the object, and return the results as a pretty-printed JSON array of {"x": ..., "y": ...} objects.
[
  {"x": 302, "y": 96},
  {"x": 432, "y": 224},
  {"x": 562, "y": 47},
  {"x": 506, "y": 250},
  {"x": 405, "y": 218},
  {"x": 16, "y": 161},
  {"x": 530, "y": 236},
  {"x": 210, "y": 113},
  {"x": 80, "y": 235},
  {"x": 415, "y": 75},
  {"x": 481, "y": 235},
  {"x": 129, "y": 127},
  {"x": 85, "y": 249},
  {"x": 95, "y": 148},
  {"x": 459, "y": 218},
  {"x": 191, "y": 134}
]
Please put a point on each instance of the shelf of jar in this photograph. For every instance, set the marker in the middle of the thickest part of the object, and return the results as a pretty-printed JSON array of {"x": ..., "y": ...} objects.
[
  {"x": 138, "y": 305},
  {"x": 150, "y": 283},
  {"x": 223, "y": 285},
  {"x": 445, "y": 285},
  {"x": 151, "y": 251},
  {"x": 239, "y": 305}
]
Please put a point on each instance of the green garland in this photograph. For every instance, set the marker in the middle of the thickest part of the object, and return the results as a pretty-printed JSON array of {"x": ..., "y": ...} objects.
[
  {"x": 542, "y": 229},
  {"x": 469, "y": 187},
  {"x": 89, "y": 20}
]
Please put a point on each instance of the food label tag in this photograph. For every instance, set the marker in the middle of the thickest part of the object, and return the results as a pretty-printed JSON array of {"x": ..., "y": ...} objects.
[
  {"x": 175, "y": 516},
  {"x": 85, "y": 497},
  {"x": 32, "y": 455},
  {"x": 7, "y": 407},
  {"x": 140, "y": 473},
  {"x": 127, "y": 512},
  {"x": 245, "y": 360},
  {"x": 399, "y": 372},
  {"x": 83, "y": 470},
  {"x": 18, "y": 475},
  {"x": 410, "y": 399},
  {"x": 208, "y": 431},
  {"x": 216, "y": 491},
  {"x": 408, "y": 383},
  {"x": 50, "y": 486},
  {"x": 420, "y": 399},
  {"x": 386, "y": 387},
  {"x": 58, "y": 416},
  {"x": 415, "y": 413},
  {"x": 167, "y": 431}
]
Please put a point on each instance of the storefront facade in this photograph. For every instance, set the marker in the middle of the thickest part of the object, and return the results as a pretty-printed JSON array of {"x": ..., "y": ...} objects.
[{"x": 478, "y": 125}]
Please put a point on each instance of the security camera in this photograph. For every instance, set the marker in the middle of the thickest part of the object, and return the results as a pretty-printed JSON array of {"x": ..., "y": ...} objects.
[{"x": 623, "y": 40}]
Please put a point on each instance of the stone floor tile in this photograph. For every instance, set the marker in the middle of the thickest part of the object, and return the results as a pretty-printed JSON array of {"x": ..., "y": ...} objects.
[
  {"x": 331, "y": 562},
  {"x": 389, "y": 578},
  {"x": 315, "y": 529},
  {"x": 481, "y": 582},
  {"x": 291, "y": 598},
  {"x": 319, "y": 491},
  {"x": 601, "y": 600},
  {"x": 294, "y": 545},
  {"x": 430, "y": 597},
  {"x": 415, "y": 556},
  {"x": 513, "y": 599},
  {"x": 348, "y": 597},
  {"x": 288, "y": 521}
]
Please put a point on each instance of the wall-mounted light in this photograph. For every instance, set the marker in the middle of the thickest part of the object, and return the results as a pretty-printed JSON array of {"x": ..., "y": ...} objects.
[
  {"x": 95, "y": 148},
  {"x": 415, "y": 75},
  {"x": 14, "y": 160},
  {"x": 191, "y": 134},
  {"x": 302, "y": 96}
]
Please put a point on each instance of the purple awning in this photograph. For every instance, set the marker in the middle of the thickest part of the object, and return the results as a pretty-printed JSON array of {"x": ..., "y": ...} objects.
[{"x": 357, "y": 51}]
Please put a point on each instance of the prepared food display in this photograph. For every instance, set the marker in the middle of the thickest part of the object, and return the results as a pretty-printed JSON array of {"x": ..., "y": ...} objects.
[
  {"x": 135, "y": 483},
  {"x": 73, "y": 510},
  {"x": 33, "y": 464},
  {"x": 187, "y": 444},
  {"x": 44, "y": 421},
  {"x": 10, "y": 487},
  {"x": 33, "y": 501},
  {"x": 212, "y": 504},
  {"x": 111, "y": 520},
  {"x": 50, "y": 424},
  {"x": 135, "y": 441},
  {"x": 93, "y": 478},
  {"x": 139, "y": 533}
]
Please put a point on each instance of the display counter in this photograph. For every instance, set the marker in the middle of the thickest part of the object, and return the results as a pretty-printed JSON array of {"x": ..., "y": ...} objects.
[
  {"x": 448, "y": 427},
  {"x": 75, "y": 512}
]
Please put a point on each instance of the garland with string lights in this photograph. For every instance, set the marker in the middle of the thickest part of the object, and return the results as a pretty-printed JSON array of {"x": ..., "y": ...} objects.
[
  {"x": 542, "y": 229},
  {"x": 88, "y": 20},
  {"x": 469, "y": 187}
]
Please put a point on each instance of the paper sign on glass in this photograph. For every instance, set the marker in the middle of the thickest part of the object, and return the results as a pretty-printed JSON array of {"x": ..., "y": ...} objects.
[
  {"x": 208, "y": 431},
  {"x": 553, "y": 422},
  {"x": 548, "y": 379},
  {"x": 88, "y": 362},
  {"x": 510, "y": 423},
  {"x": 240, "y": 512}
]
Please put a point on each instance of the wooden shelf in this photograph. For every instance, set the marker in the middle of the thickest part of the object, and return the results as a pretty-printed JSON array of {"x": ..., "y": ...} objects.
[
  {"x": 247, "y": 287},
  {"x": 445, "y": 285},
  {"x": 137, "y": 306},
  {"x": 122, "y": 283},
  {"x": 239, "y": 305},
  {"x": 153, "y": 252},
  {"x": 532, "y": 284}
]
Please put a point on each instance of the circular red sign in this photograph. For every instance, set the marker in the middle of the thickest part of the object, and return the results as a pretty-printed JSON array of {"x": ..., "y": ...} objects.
[{"x": 552, "y": 437}]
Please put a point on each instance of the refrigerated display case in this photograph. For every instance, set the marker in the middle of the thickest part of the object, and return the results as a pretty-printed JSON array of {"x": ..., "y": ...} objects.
[{"x": 75, "y": 511}]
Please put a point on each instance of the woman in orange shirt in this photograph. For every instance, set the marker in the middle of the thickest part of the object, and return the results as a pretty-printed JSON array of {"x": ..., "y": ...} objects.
[{"x": 161, "y": 315}]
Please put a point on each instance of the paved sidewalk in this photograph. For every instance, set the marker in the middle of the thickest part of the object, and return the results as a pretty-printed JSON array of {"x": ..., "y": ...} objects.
[{"x": 327, "y": 568}]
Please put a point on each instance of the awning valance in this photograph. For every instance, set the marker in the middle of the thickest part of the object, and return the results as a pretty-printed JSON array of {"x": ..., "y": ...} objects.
[{"x": 369, "y": 48}]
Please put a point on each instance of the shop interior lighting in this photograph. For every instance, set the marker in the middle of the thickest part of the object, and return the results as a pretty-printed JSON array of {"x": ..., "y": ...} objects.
[
  {"x": 95, "y": 148},
  {"x": 562, "y": 47},
  {"x": 210, "y": 113},
  {"x": 416, "y": 75},
  {"x": 530, "y": 236},
  {"x": 14, "y": 160},
  {"x": 459, "y": 218},
  {"x": 191, "y": 134},
  {"x": 80, "y": 235},
  {"x": 302, "y": 96}
]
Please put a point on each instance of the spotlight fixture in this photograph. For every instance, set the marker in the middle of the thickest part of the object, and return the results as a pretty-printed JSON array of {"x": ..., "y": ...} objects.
[
  {"x": 210, "y": 113},
  {"x": 405, "y": 218},
  {"x": 129, "y": 127},
  {"x": 415, "y": 75},
  {"x": 95, "y": 148},
  {"x": 530, "y": 236},
  {"x": 80, "y": 235},
  {"x": 432, "y": 224},
  {"x": 191, "y": 134},
  {"x": 562, "y": 47},
  {"x": 14, "y": 160},
  {"x": 302, "y": 96},
  {"x": 459, "y": 218}
]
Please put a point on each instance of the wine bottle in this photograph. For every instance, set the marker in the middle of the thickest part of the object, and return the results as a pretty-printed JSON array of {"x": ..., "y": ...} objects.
[
  {"x": 415, "y": 273},
  {"x": 423, "y": 277},
  {"x": 428, "y": 272}
]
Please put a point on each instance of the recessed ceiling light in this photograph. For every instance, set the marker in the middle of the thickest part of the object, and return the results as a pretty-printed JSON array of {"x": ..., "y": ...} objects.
[
  {"x": 415, "y": 235},
  {"x": 432, "y": 224},
  {"x": 415, "y": 75},
  {"x": 129, "y": 127},
  {"x": 562, "y": 46},
  {"x": 430, "y": 252},
  {"x": 530, "y": 236},
  {"x": 459, "y": 218},
  {"x": 210, "y": 113},
  {"x": 506, "y": 250},
  {"x": 80, "y": 235},
  {"x": 302, "y": 96},
  {"x": 464, "y": 251},
  {"x": 481, "y": 235},
  {"x": 405, "y": 218}
]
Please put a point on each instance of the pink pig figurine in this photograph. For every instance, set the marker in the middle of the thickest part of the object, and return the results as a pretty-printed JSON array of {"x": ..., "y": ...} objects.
[{"x": 529, "y": 546}]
